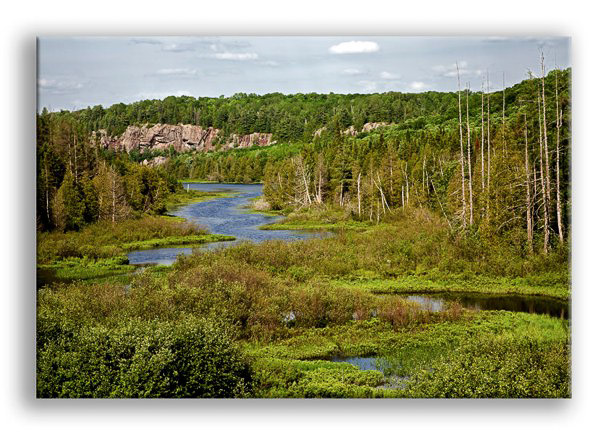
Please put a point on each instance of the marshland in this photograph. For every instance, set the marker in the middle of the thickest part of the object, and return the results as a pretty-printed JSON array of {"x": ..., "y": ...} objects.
[{"x": 399, "y": 245}]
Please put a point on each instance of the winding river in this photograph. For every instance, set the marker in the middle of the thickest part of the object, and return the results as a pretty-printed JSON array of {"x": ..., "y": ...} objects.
[
  {"x": 228, "y": 216},
  {"x": 222, "y": 216}
]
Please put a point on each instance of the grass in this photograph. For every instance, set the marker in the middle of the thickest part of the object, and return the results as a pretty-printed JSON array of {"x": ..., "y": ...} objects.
[
  {"x": 478, "y": 284},
  {"x": 317, "y": 219},
  {"x": 185, "y": 197},
  {"x": 415, "y": 360},
  {"x": 99, "y": 250},
  {"x": 195, "y": 180},
  {"x": 194, "y": 239},
  {"x": 289, "y": 307}
]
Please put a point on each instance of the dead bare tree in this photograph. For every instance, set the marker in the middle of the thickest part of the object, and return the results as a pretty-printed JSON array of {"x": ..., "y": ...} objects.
[
  {"x": 469, "y": 161},
  {"x": 464, "y": 201},
  {"x": 504, "y": 143},
  {"x": 547, "y": 161},
  {"x": 529, "y": 224},
  {"x": 489, "y": 151},
  {"x": 359, "y": 192},
  {"x": 483, "y": 171},
  {"x": 558, "y": 125},
  {"x": 545, "y": 197}
]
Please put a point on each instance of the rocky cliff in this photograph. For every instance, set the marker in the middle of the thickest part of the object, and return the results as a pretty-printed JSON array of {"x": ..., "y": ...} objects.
[
  {"x": 183, "y": 137},
  {"x": 351, "y": 131}
]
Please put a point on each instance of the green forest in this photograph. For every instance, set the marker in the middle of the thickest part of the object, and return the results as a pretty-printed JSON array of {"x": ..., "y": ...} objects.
[{"x": 462, "y": 192}]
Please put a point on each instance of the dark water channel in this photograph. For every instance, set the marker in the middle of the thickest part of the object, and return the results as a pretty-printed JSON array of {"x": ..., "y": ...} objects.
[
  {"x": 222, "y": 216},
  {"x": 517, "y": 303}
]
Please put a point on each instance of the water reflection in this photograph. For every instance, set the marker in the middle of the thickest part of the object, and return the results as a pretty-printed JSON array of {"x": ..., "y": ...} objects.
[{"x": 517, "y": 303}]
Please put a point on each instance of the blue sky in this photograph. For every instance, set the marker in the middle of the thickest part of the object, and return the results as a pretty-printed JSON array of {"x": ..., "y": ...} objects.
[{"x": 76, "y": 72}]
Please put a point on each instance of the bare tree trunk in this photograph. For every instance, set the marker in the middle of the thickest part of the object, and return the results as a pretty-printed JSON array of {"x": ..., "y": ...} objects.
[
  {"x": 359, "y": 193},
  {"x": 504, "y": 143},
  {"x": 558, "y": 124},
  {"x": 383, "y": 198},
  {"x": 483, "y": 170},
  {"x": 489, "y": 152},
  {"x": 543, "y": 183},
  {"x": 46, "y": 182},
  {"x": 424, "y": 173},
  {"x": 407, "y": 186},
  {"x": 299, "y": 163},
  {"x": 464, "y": 202},
  {"x": 113, "y": 198},
  {"x": 547, "y": 162},
  {"x": 469, "y": 163},
  {"x": 528, "y": 199}
]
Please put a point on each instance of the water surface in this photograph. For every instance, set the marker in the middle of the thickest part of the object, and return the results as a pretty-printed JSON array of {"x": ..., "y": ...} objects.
[
  {"x": 517, "y": 303},
  {"x": 222, "y": 216}
]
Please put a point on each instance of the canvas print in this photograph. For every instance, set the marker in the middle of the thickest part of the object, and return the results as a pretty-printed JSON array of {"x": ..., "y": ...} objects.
[{"x": 303, "y": 217}]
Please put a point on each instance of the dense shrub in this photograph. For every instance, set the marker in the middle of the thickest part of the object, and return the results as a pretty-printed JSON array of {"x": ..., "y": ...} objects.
[
  {"x": 190, "y": 358},
  {"x": 503, "y": 366}
]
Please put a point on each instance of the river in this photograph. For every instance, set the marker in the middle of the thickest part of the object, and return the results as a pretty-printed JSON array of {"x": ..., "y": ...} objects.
[{"x": 226, "y": 216}]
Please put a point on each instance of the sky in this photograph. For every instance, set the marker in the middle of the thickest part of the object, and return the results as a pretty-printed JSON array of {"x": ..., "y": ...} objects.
[{"x": 77, "y": 72}]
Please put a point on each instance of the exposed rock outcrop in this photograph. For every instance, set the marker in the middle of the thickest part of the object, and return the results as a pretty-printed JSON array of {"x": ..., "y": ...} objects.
[
  {"x": 156, "y": 161},
  {"x": 367, "y": 127},
  {"x": 249, "y": 140},
  {"x": 182, "y": 137}
]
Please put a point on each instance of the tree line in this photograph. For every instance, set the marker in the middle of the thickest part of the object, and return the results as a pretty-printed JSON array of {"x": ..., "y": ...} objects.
[
  {"x": 491, "y": 162},
  {"x": 80, "y": 183},
  {"x": 499, "y": 167}
]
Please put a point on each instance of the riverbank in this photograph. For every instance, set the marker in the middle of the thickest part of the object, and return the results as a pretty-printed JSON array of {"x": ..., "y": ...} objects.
[
  {"x": 292, "y": 314},
  {"x": 415, "y": 252},
  {"x": 99, "y": 250}
]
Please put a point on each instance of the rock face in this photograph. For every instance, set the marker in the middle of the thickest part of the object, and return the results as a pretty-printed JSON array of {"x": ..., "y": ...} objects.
[
  {"x": 160, "y": 137},
  {"x": 249, "y": 140},
  {"x": 368, "y": 126},
  {"x": 156, "y": 161},
  {"x": 183, "y": 137}
]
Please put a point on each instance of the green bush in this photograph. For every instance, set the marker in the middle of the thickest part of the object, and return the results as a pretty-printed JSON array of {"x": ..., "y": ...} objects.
[{"x": 190, "y": 358}]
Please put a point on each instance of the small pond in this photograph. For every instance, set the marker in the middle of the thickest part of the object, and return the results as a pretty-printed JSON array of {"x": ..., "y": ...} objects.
[{"x": 518, "y": 303}]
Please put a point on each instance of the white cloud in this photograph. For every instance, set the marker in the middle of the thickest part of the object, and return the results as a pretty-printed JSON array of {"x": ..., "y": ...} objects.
[
  {"x": 368, "y": 86},
  {"x": 389, "y": 76},
  {"x": 354, "y": 47},
  {"x": 352, "y": 71},
  {"x": 235, "y": 56},
  {"x": 59, "y": 86},
  {"x": 452, "y": 71},
  {"x": 418, "y": 86},
  {"x": 176, "y": 72}
]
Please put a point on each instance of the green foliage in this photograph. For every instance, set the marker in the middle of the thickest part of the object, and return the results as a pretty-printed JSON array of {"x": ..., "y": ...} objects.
[
  {"x": 105, "y": 240},
  {"x": 192, "y": 358},
  {"x": 499, "y": 367}
]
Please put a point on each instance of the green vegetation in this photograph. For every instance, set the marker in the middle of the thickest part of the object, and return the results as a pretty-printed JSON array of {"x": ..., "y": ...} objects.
[
  {"x": 192, "y": 358},
  {"x": 184, "y": 197},
  {"x": 422, "y": 204},
  {"x": 99, "y": 250},
  {"x": 434, "y": 360}
]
